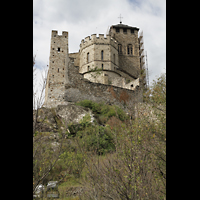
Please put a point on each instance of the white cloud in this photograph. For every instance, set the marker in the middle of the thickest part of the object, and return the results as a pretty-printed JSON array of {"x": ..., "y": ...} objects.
[{"x": 83, "y": 18}]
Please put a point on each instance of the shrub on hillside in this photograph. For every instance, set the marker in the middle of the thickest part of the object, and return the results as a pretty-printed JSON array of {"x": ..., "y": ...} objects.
[{"x": 102, "y": 111}]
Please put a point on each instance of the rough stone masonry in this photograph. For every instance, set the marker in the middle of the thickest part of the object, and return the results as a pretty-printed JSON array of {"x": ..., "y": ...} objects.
[{"x": 105, "y": 69}]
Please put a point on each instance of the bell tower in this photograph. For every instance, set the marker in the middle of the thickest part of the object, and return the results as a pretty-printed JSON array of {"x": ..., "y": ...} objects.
[{"x": 128, "y": 48}]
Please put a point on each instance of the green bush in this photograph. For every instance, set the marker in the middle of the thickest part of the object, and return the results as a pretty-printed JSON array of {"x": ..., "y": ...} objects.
[
  {"x": 74, "y": 128},
  {"x": 102, "y": 111},
  {"x": 96, "y": 138}
]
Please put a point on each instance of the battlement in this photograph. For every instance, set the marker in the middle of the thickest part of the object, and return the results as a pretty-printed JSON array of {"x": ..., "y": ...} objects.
[
  {"x": 54, "y": 33},
  {"x": 93, "y": 39}
]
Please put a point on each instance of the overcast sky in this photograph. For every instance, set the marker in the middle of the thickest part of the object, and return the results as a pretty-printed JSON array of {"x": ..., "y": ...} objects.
[{"x": 81, "y": 18}]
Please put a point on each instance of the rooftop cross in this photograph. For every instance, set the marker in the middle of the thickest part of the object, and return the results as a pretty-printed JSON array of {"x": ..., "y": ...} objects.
[{"x": 120, "y": 18}]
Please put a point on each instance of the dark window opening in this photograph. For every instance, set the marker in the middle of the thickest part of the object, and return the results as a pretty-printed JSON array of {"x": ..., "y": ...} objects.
[
  {"x": 132, "y": 85},
  {"x": 58, "y": 69},
  {"x": 88, "y": 57},
  {"x": 130, "y": 49},
  {"x": 63, "y": 68},
  {"x": 102, "y": 66},
  {"x": 102, "y": 55},
  {"x": 88, "y": 68},
  {"x": 120, "y": 48},
  {"x": 54, "y": 35},
  {"x": 132, "y": 30},
  {"x": 52, "y": 61},
  {"x": 114, "y": 58},
  {"x": 58, "y": 49},
  {"x": 117, "y": 30},
  {"x": 125, "y": 30}
]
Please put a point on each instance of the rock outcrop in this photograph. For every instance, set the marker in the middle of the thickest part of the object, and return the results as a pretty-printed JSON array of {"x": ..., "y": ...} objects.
[{"x": 57, "y": 119}]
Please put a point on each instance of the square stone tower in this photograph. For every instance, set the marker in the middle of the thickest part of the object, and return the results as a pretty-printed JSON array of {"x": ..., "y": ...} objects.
[
  {"x": 128, "y": 48},
  {"x": 57, "y": 73}
]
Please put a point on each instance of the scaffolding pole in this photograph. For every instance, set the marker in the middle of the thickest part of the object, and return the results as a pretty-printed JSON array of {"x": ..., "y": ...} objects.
[
  {"x": 147, "y": 72},
  {"x": 143, "y": 59}
]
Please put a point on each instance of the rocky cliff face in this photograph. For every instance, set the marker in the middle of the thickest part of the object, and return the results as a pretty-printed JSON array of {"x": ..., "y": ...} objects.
[{"x": 57, "y": 119}]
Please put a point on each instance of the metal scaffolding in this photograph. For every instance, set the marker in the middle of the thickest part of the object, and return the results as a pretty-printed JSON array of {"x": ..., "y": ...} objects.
[{"x": 143, "y": 65}]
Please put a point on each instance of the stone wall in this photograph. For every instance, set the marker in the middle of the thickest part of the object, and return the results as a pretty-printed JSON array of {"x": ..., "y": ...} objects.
[
  {"x": 79, "y": 89},
  {"x": 76, "y": 57},
  {"x": 93, "y": 47},
  {"x": 129, "y": 63},
  {"x": 66, "y": 82},
  {"x": 58, "y": 70}
]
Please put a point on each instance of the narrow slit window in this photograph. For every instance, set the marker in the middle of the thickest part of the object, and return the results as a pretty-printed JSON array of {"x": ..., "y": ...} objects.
[
  {"x": 58, "y": 69},
  {"x": 58, "y": 49},
  {"x": 102, "y": 66},
  {"x": 102, "y": 55},
  {"x": 114, "y": 58},
  {"x": 88, "y": 57}
]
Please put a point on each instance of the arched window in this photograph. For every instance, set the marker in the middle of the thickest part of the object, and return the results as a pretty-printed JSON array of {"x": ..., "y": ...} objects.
[
  {"x": 88, "y": 57},
  {"x": 102, "y": 55},
  {"x": 120, "y": 48},
  {"x": 130, "y": 49}
]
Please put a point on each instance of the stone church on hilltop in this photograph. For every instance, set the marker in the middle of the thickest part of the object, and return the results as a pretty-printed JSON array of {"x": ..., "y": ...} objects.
[{"x": 105, "y": 68}]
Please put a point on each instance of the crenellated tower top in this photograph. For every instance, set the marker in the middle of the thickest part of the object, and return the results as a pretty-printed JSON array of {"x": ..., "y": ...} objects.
[{"x": 93, "y": 39}]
